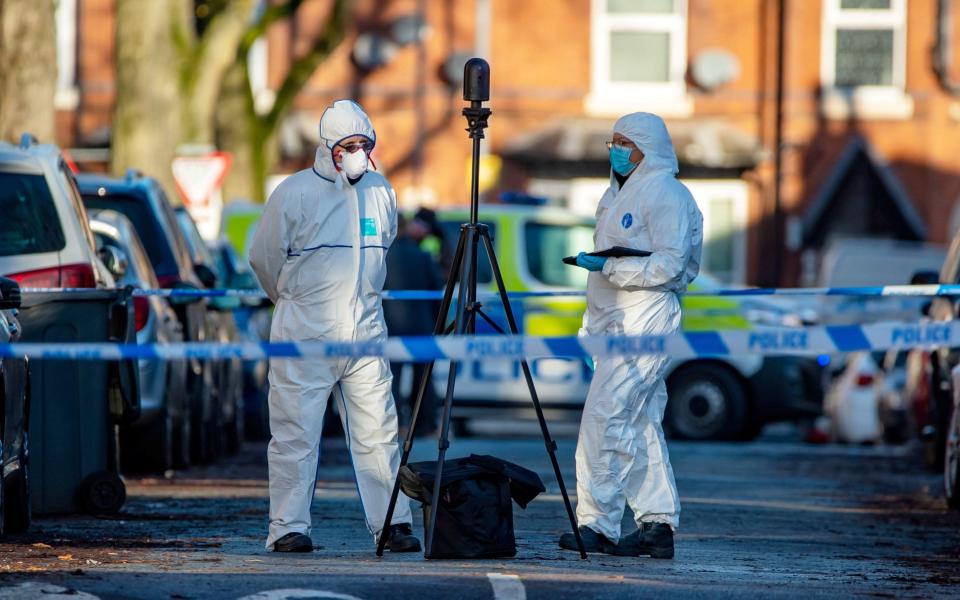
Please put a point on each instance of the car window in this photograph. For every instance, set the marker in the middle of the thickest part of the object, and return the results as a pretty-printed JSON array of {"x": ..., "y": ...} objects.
[
  {"x": 451, "y": 233},
  {"x": 151, "y": 235},
  {"x": 77, "y": 202},
  {"x": 198, "y": 248},
  {"x": 29, "y": 222},
  {"x": 548, "y": 243},
  {"x": 177, "y": 235}
]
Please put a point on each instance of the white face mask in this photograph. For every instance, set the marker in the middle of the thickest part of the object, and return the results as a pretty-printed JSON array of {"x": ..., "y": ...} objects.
[{"x": 354, "y": 164}]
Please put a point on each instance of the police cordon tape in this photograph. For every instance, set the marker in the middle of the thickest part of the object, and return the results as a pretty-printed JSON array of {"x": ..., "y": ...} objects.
[
  {"x": 760, "y": 341},
  {"x": 867, "y": 292}
]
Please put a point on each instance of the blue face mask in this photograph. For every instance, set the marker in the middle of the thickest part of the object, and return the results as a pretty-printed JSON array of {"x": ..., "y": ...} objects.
[{"x": 620, "y": 160}]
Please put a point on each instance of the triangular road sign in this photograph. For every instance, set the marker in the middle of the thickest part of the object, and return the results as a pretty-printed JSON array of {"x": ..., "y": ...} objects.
[{"x": 197, "y": 177}]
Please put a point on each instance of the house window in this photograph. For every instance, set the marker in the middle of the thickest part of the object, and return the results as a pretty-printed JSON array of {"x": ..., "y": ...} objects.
[
  {"x": 67, "y": 96},
  {"x": 863, "y": 59},
  {"x": 724, "y": 207},
  {"x": 639, "y": 52}
]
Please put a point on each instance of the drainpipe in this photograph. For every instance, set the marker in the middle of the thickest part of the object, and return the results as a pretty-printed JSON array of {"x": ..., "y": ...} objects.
[
  {"x": 942, "y": 49},
  {"x": 778, "y": 230}
]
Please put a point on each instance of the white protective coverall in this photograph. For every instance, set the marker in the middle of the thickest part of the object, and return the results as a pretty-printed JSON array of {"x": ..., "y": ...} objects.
[
  {"x": 621, "y": 452},
  {"x": 320, "y": 254}
]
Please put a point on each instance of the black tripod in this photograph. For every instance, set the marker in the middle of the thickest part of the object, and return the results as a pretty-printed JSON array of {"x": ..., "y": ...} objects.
[{"x": 464, "y": 271}]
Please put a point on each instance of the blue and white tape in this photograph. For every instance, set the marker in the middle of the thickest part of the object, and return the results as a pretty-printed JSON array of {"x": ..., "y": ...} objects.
[
  {"x": 768, "y": 341},
  {"x": 887, "y": 291}
]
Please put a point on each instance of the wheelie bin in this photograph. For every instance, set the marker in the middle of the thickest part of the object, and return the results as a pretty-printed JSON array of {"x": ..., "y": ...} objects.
[{"x": 77, "y": 405}]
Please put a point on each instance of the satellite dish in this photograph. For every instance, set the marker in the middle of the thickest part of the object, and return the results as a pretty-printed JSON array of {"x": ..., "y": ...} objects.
[
  {"x": 453, "y": 68},
  {"x": 713, "y": 68},
  {"x": 409, "y": 29},
  {"x": 372, "y": 50}
]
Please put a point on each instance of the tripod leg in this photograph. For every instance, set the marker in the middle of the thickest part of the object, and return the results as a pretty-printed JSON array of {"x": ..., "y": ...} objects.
[
  {"x": 469, "y": 264},
  {"x": 548, "y": 441},
  {"x": 439, "y": 328}
]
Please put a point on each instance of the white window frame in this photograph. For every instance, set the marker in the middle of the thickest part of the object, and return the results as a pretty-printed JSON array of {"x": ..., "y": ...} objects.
[
  {"x": 868, "y": 101},
  {"x": 608, "y": 98},
  {"x": 67, "y": 96}
]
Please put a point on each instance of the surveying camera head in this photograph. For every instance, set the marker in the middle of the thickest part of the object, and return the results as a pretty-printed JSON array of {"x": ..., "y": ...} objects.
[{"x": 476, "y": 80}]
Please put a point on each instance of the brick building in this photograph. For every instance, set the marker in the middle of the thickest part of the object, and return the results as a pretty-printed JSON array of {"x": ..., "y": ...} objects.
[{"x": 865, "y": 142}]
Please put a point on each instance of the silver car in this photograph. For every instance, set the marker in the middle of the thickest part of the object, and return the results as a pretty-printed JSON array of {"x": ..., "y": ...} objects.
[
  {"x": 148, "y": 443},
  {"x": 45, "y": 240}
]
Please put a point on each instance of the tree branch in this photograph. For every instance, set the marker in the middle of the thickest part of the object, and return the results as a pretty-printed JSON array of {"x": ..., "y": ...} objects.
[
  {"x": 270, "y": 16},
  {"x": 214, "y": 54},
  {"x": 303, "y": 67}
]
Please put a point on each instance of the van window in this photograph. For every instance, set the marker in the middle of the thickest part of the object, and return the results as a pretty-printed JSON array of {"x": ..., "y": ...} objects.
[
  {"x": 30, "y": 223},
  {"x": 546, "y": 246}
]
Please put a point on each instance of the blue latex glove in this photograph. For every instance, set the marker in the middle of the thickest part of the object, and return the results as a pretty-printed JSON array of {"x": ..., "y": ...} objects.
[{"x": 591, "y": 263}]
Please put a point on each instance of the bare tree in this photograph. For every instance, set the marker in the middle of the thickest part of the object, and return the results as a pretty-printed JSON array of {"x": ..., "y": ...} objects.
[
  {"x": 177, "y": 86},
  {"x": 168, "y": 79},
  {"x": 28, "y": 69}
]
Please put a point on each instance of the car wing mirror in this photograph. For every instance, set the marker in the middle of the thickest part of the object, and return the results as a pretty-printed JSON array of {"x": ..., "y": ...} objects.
[
  {"x": 114, "y": 259},
  {"x": 9, "y": 294}
]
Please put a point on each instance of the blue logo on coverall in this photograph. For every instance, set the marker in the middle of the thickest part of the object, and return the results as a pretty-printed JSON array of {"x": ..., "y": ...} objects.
[
  {"x": 368, "y": 227},
  {"x": 627, "y": 221}
]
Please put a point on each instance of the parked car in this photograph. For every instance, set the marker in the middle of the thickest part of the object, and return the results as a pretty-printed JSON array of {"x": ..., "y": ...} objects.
[
  {"x": 228, "y": 373},
  {"x": 15, "y": 419},
  {"x": 45, "y": 239},
  {"x": 143, "y": 201},
  {"x": 253, "y": 325},
  {"x": 146, "y": 444},
  {"x": 852, "y": 402},
  {"x": 722, "y": 398}
]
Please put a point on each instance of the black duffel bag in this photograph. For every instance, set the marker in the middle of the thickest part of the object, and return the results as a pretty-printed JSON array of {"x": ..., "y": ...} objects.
[{"x": 475, "y": 516}]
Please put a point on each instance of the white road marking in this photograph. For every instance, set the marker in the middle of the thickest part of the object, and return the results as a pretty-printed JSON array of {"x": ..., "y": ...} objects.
[
  {"x": 298, "y": 593},
  {"x": 507, "y": 587},
  {"x": 32, "y": 590}
]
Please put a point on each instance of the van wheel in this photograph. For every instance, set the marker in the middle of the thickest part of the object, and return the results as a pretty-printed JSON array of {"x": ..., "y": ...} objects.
[{"x": 706, "y": 402}]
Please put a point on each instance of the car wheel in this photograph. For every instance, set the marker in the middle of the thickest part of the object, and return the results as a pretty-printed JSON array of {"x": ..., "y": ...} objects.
[
  {"x": 199, "y": 422},
  {"x": 951, "y": 462},
  {"x": 149, "y": 449},
  {"x": 706, "y": 402},
  {"x": 17, "y": 513},
  {"x": 939, "y": 415},
  {"x": 235, "y": 428}
]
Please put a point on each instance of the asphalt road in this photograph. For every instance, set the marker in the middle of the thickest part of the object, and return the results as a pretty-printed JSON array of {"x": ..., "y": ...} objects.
[{"x": 765, "y": 519}]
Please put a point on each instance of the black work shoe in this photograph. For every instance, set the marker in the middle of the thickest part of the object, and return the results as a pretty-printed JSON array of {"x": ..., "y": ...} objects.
[
  {"x": 293, "y": 542},
  {"x": 400, "y": 538},
  {"x": 652, "y": 539},
  {"x": 592, "y": 541}
]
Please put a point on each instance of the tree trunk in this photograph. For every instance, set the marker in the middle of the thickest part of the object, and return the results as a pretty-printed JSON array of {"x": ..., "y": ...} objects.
[
  {"x": 206, "y": 64},
  {"x": 235, "y": 134},
  {"x": 28, "y": 69},
  {"x": 147, "y": 121}
]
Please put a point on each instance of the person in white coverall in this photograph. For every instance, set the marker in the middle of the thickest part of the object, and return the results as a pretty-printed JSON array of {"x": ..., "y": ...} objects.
[
  {"x": 319, "y": 252},
  {"x": 621, "y": 455}
]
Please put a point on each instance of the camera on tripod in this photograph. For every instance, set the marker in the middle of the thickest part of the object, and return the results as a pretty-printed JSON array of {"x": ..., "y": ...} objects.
[{"x": 425, "y": 480}]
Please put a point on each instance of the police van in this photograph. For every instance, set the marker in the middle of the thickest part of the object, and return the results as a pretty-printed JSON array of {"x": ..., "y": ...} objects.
[{"x": 716, "y": 398}]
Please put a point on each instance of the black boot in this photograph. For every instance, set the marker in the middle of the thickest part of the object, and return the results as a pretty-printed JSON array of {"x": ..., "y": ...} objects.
[
  {"x": 400, "y": 538},
  {"x": 652, "y": 539},
  {"x": 293, "y": 542},
  {"x": 592, "y": 541}
]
